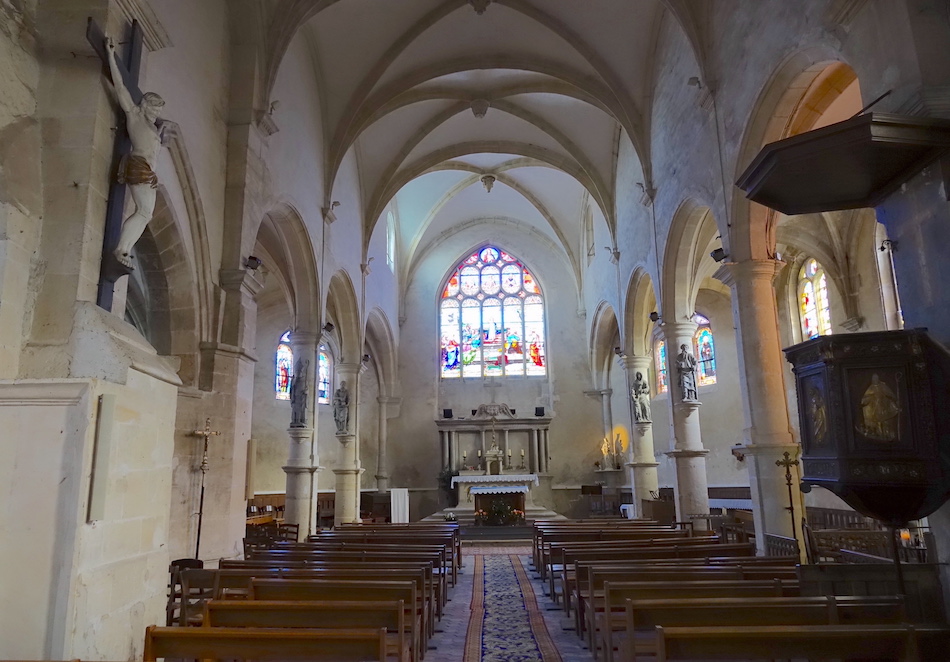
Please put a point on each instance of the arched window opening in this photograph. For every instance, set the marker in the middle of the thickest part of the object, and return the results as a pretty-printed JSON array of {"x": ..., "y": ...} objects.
[
  {"x": 391, "y": 241},
  {"x": 705, "y": 351},
  {"x": 283, "y": 368},
  {"x": 323, "y": 376},
  {"x": 492, "y": 319},
  {"x": 659, "y": 359},
  {"x": 813, "y": 300}
]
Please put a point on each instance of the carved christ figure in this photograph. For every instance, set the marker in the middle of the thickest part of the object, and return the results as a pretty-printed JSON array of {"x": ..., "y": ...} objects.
[{"x": 136, "y": 168}]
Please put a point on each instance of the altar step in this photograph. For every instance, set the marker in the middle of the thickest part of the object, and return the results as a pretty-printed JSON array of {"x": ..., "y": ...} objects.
[{"x": 501, "y": 533}]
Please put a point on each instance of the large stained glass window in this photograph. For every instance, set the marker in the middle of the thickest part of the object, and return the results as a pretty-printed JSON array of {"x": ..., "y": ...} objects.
[
  {"x": 492, "y": 318},
  {"x": 705, "y": 351},
  {"x": 283, "y": 368},
  {"x": 659, "y": 359},
  {"x": 813, "y": 300},
  {"x": 323, "y": 376}
]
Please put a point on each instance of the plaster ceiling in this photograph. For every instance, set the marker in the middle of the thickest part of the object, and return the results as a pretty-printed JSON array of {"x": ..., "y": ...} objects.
[{"x": 562, "y": 80}]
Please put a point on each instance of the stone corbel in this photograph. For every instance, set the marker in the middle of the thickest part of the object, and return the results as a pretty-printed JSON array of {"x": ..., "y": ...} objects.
[
  {"x": 329, "y": 216},
  {"x": 647, "y": 194},
  {"x": 854, "y": 323}
]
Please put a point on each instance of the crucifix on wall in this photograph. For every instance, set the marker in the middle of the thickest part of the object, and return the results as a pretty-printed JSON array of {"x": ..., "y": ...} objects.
[{"x": 138, "y": 138}]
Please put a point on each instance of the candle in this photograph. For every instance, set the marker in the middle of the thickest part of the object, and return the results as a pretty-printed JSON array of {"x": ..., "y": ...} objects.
[
  {"x": 464, "y": 455},
  {"x": 509, "y": 452},
  {"x": 479, "y": 452},
  {"x": 522, "y": 452}
]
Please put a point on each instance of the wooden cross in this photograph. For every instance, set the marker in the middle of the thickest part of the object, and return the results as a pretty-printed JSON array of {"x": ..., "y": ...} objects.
[{"x": 130, "y": 65}]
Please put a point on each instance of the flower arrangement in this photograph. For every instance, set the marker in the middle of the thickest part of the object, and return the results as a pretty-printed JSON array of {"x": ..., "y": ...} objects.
[{"x": 480, "y": 516}]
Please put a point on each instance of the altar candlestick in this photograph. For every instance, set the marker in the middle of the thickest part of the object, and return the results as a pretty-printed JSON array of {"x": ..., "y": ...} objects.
[
  {"x": 522, "y": 452},
  {"x": 464, "y": 455},
  {"x": 509, "y": 452},
  {"x": 479, "y": 452}
]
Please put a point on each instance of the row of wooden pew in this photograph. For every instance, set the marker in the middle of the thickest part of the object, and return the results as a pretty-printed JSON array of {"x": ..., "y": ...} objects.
[
  {"x": 637, "y": 591},
  {"x": 369, "y": 592}
]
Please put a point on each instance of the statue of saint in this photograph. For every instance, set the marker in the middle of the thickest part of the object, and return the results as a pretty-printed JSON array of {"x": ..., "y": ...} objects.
[
  {"x": 686, "y": 374},
  {"x": 299, "y": 388},
  {"x": 136, "y": 168},
  {"x": 880, "y": 411},
  {"x": 341, "y": 408},
  {"x": 640, "y": 392}
]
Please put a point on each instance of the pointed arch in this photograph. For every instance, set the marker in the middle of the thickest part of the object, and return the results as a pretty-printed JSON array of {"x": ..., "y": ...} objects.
[
  {"x": 604, "y": 337},
  {"x": 344, "y": 311},
  {"x": 685, "y": 259},
  {"x": 752, "y": 235},
  {"x": 641, "y": 301},
  {"x": 382, "y": 346}
]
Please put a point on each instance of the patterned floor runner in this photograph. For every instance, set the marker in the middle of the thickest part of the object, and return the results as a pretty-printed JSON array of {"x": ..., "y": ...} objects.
[{"x": 506, "y": 624}]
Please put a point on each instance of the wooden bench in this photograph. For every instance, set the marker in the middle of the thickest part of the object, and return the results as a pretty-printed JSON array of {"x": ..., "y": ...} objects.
[
  {"x": 353, "y": 645},
  {"x": 638, "y": 636},
  {"x": 846, "y": 642},
  {"x": 324, "y": 590},
  {"x": 608, "y": 610},
  {"x": 323, "y": 615}
]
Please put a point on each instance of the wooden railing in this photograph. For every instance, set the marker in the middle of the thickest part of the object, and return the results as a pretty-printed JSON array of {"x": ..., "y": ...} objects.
[
  {"x": 780, "y": 545},
  {"x": 831, "y": 545}
]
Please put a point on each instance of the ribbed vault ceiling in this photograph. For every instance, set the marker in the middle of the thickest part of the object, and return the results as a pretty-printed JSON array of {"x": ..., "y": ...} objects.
[{"x": 433, "y": 95}]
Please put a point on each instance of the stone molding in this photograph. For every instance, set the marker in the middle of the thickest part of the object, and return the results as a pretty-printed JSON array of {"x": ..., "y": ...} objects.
[
  {"x": 42, "y": 393},
  {"x": 698, "y": 452},
  {"x": 729, "y": 273},
  {"x": 310, "y": 469},
  {"x": 646, "y": 465}
]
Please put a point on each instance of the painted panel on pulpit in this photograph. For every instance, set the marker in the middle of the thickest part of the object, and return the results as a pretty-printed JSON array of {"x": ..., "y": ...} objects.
[
  {"x": 879, "y": 411},
  {"x": 491, "y": 319}
]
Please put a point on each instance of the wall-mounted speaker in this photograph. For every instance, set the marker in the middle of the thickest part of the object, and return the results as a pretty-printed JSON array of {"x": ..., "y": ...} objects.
[
  {"x": 446, "y": 413},
  {"x": 539, "y": 411},
  {"x": 514, "y": 412},
  {"x": 474, "y": 411}
]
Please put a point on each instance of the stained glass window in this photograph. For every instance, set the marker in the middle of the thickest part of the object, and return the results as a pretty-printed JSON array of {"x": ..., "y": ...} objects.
[
  {"x": 813, "y": 300},
  {"x": 391, "y": 241},
  {"x": 492, "y": 318},
  {"x": 659, "y": 358},
  {"x": 705, "y": 351},
  {"x": 283, "y": 368},
  {"x": 323, "y": 385}
]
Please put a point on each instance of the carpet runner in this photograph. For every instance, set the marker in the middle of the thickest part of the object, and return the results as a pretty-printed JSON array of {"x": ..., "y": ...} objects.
[{"x": 506, "y": 624}]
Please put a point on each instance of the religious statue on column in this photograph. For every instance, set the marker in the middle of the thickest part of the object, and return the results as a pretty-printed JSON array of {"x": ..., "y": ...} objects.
[
  {"x": 299, "y": 389},
  {"x": 136, "y": 169},
  {"x": 640, "y": 393},
  {"x": 341, "y": 408},
  {"x": 686, "y": 374}
]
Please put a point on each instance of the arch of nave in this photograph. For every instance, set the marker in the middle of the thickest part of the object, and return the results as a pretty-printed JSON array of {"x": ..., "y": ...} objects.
[{"x": 612, "y": 181}]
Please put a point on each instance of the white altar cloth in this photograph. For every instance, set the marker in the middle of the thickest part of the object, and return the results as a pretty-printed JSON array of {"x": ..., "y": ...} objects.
[
  {"x": 500, "y": 489},
  {"x": 497, "y": 478}
]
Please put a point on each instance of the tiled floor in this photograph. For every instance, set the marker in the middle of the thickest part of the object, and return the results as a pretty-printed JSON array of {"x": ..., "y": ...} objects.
[{"x": 449, "y": 642}]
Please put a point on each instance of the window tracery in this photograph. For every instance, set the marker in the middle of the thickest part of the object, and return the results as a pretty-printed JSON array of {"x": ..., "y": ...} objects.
[{"x": 492, "y": 319}]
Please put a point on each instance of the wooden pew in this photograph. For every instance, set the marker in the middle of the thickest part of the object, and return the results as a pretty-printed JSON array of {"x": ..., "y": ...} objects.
[
  {"x": 323, "y": 615},
  {"x": 638, "y": 636},
  {"x": 353, "y": 645},
  {"x": 608, "y": 610},
  {"x": 321, "y": 590},
  {"x": 867, "y": 642}
]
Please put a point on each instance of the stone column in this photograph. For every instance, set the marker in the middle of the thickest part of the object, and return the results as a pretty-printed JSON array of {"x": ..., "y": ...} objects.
[
  {"x": 382, "y": 462},
  {"x": 302, "y": 465},
  {"x": 692, "y": 491},
  {"x": 608, "y": 414},
  {"x": 768, "y": 431},
  {"x": 347, "y": 502},
  {"x": 641, "y": 463}
]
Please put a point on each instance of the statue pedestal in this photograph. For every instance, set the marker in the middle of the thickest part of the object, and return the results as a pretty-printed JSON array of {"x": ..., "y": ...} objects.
[{"x": 347, "y": 503}]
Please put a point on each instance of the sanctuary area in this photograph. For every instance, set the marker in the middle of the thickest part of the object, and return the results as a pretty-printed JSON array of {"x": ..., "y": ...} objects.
[{"x": 425, "y": 269}]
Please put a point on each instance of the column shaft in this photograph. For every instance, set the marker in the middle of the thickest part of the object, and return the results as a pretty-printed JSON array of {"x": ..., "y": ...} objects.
[
  {"x": 382, "y": 460},
  {"x": 302, "y": 465},
  {"x": 692, "y": 490},
  {"x": 641, "y": 463},
  {"x": 347, "y": 501},
  {"x": 764, "y": 404}
]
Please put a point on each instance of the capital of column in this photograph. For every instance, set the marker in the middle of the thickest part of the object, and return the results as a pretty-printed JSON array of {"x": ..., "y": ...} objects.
[
  {"x": 347, "y": 370},
  {"x": 312, "y": 469},
  {"x": 246, "y": 281},
  {"x": 300, "y": 434},
  {"x": 643, "y": 427},
  {"x": 301, "y": 340},
  {"x": 691, "y": 452},
  {"x": 644, "y": 465},
  {"x": 349, "y": 472},
  {"x": 732, "y": 274},
  {"x": 687, "y": 406},
  {"x": 345, "y": 438},
  {"x": 632, "y": 364},
  {"x": 678, "y": 333}
]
